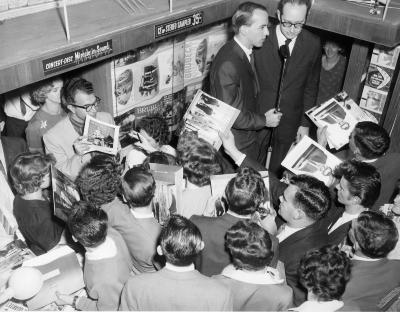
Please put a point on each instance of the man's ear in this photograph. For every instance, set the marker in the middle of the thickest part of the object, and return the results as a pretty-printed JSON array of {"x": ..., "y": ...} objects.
[
  {"x": 159, "y": 250},
  {"x": 2, "y": 124},
  {"x": 356, "y": 200},
  {"x": 298, "y": 214},
  {"x": 71, "y": 108},
  {"x": 201, "y": 245},
  {"x": 278, "y": 15}
]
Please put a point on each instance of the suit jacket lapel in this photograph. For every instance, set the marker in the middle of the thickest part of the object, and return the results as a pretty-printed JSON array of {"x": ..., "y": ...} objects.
[
  {"x": 239, "y": 51},
  {"x": 303, "y": 234},
  {"x": 272, "y": 42},
  {"x": 295, "y": 59}
]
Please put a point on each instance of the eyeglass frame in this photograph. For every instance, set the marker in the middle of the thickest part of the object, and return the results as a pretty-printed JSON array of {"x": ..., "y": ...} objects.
[
  {"x": 89, "y": 106},
  {"x": 290, "y": 24}
]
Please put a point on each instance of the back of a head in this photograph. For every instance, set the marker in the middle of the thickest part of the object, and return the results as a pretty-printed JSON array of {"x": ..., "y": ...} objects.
[
  {"x": 99, "y": 181},
  {"x": 72, "y": 86},
  {"x": 325, "y": 272},
  {"x": 180, "y": 241},
  {"x": 249, "y": 245},
  {"x": 88, "y": 224},
  {"x": 161, "y": 158},
  {"x": 312, "y": 196},
  {"x": 371, "y": 139},
  {"x": 156, "y": 127},
  {"x": 198, "y": 159},
  {"x": 246, "y": 191},
  {"x": 28, "y": 170},
  {"x": 375, "y": 234},
  {"x": 282, "y": 4},
  {"x": 364, "y": 180},
  {"x": 244, "y": 13},
  {"x": 138, "y": 187}
]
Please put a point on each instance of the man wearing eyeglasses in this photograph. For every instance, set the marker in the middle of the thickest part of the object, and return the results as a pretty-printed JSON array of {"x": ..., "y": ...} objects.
[
  {"x": 300, "y": 81},
  {"x": 64, "y": 139}
]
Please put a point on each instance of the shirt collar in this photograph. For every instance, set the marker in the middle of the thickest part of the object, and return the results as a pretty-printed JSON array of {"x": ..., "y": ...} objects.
[
  {"x": 266, "y": 276},
  {"x": 237, "y": 215},
  {"x": 142, "y": 215},
  {"x": 245, "y": 50},
  {"x": 355, "y": 257},
  {"x": 370, "y": 160},
  {"x": 176, "y": 268},
  {"x": 281, "y": 39}
]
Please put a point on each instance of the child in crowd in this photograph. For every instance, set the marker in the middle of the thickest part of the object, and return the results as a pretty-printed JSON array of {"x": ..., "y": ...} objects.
[
  {"x": 178, "y": 286},
  {"x": 255, "y": 286},
  {"x": 324, "y": 273},
  {"x": 107, "y": 262},
  {"x": 138, "y": 189},
  {"x": 33, "y": 210}
]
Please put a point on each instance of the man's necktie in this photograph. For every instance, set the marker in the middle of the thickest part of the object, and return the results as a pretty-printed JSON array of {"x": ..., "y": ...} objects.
[{"x": 253, "y": 67}]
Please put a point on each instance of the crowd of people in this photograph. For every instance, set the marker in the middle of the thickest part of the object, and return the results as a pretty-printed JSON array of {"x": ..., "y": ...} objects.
[{"x": 297, "y": 245}]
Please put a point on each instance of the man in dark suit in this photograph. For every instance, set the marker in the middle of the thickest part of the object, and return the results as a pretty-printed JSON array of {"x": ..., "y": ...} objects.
[
  {"x": 372, "y": 275},
  {"x": 243, "y": 194},
  {"x": 300, "y": 82},
  {"x": 303, "y": 204},
  {"x": 233, "y": 78},
  {"x": 11, "y": 147}
]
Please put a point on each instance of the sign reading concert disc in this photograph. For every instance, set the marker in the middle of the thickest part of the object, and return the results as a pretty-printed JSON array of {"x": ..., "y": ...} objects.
[
  {"x": 179, "y": 24},
  {"x": 80, "y": 56}
]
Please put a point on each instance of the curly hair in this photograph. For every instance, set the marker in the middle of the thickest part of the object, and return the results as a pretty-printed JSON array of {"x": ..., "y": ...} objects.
[
  {"x": 99, "y": 181},
  {"x": 375, "y": 233},
  {"x": 246, "y": 191},
  {"x": 325, "y": 272},
  {"x": 88, "y": 224},
  {"x": 198, "y": 158},
  {"x": 364, "y": 180},
  {"x": 249, "y": 246},
  {"x": 156, "y": 127},
  {"x": 40, "y": 91},
  {"x": 371, "y": 139},
  {"x": 312, "y": 196},
  {"x": 28, "y": 170}
]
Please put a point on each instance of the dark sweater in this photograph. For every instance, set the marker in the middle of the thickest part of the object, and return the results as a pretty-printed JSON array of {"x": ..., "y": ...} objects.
[{"x": 40, "y": 228}]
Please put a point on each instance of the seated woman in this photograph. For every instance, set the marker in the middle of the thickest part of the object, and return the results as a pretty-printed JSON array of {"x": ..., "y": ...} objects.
[
  {"x": 255, "y": 286},
  {"x": 33, "y": 210},
  {"x": 324, "y": 273},
  {"x": 154, "y": 136},
  {"x": 199, "y": 161}
]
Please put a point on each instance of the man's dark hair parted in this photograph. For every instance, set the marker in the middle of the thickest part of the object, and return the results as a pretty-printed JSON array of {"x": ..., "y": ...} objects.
[
  {"x": 244, "y": 14},
  {"x": 74, "y": 85},
  {"x": 371, "y": 139},
  {"x": 312, "y": 196},
  {"x": 138, "y": 187},
  {"x": 249, "y": 245},
  {"x": 282, "y": 3},
  {"x": 364, "y": 180},
  {"x": 180, "y": 241}
]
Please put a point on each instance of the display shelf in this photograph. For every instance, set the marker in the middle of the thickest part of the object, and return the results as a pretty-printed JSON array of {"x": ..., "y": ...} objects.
[{"x": 29, "y": 40}]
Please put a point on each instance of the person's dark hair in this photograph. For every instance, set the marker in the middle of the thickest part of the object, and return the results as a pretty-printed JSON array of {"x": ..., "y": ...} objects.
[
  {"x": 325, "y": 272},
  {"x": 375, "y": 233},
  {"x": 198, "y": 158},
  {"x": 246, "y": 191},
  {"x": 72, "y": 86},
  {"x": 244, "y": 13},
  {"x": 249, "y": 246},
  {"x": 138, "y": 187},
  {"x": 364, "y": 180},
  {"x": 161, "y": 158},
  {"x": 39, "y": 92},
  {"x": 28, "y": 170},
  {"x": 312, "y": 196},
  {"x": 156, "y": 127},
  {"x": 88, "y": 224},
  {"x": 282, "y": 4},
  {"x": 371, "y": 139},
  {"x": 180, "y": 241},
  {"x": 99, "y": 181}
]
